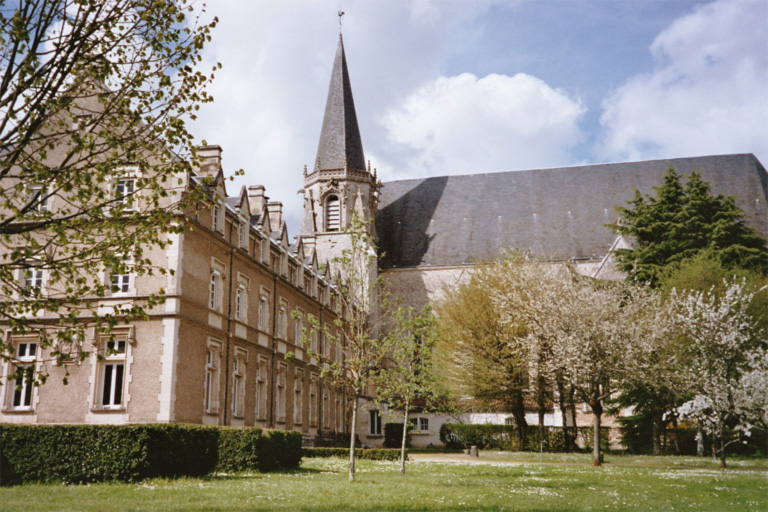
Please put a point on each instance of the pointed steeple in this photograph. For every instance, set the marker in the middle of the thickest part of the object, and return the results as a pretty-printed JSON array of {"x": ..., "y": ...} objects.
[{"x": 340, "y": 144}]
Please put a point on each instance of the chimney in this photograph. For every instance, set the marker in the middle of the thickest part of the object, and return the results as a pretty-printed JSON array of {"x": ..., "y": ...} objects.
[
  {"x": 275, "y": 209},
  {"x": 256, "y": 199},
  {"x": 210, "y": 157}
]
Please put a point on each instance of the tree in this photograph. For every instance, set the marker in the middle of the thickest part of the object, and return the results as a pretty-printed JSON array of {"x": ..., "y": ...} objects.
[
  {"x": 93, "y": 101},
  {"x": 356, "y": 328},
  {"x": 408, "y": 375},
  {"x": 682, "y": 220},
  {"x": 483, "y": 356},
  {"x": 576, "y": 328},
  {"x": 721, "y": 339}
]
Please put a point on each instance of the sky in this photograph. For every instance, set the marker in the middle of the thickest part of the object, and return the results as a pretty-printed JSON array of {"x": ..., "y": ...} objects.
[{"x": 446, "y": 87}]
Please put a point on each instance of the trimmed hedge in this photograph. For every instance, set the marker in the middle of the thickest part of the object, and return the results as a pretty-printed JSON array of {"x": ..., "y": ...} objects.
[
  {"x": 360, "y": 453},
  {"x": 128, "y": 453}
]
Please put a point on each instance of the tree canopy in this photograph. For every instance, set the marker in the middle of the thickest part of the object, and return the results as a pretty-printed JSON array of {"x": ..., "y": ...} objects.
[
  {"x": 680, "y": 220},
  {"x": 94, "y": 96}
]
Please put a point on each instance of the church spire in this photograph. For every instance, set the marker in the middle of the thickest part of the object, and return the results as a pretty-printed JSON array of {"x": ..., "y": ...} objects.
[{"x": 341, "y": 146}]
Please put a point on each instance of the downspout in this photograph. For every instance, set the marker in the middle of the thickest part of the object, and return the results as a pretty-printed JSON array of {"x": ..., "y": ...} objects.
[{"x": 229, "y": 325}]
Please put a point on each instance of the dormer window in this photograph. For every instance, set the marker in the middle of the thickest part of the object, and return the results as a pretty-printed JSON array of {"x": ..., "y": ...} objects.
[
  {"x": 332, "y": 213},
  {"x": 38, "y": 198},
  {"x": 124, "y": 190}
]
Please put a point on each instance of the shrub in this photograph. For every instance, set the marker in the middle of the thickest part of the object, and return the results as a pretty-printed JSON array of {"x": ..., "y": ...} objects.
[
  {"x": 127, "y": 453},
  {"x": 393, "y": 435},
  {"x": 500, "y": 437}
]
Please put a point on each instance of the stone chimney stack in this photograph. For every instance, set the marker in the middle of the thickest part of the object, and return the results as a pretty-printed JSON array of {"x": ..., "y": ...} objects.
[
  {"x": 256, "y": 199},
  {"x": 275, "y": 209},
  {"x": 211, "y": 160}
]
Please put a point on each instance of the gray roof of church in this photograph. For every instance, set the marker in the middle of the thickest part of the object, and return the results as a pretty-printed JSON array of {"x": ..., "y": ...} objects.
[
  {"x": 557, "y": 213},
  {"x": 340, "y": 143}
]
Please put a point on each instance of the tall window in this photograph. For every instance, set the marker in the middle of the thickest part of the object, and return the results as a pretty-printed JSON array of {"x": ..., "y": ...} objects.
[
  {"x": 20, "y": 394},
  {"x": 263, "y": 313},
  {"x": 113, "y": 374},
  {"x": 281, "y": 392},
  {"x": 238, "y": 384},
  {"x": 298, "y": 387},
  {"x": 326, "y": 409},
  {"x": 337, "y": 414},
  {"x": 313, "y": 401},
  {"x": 216, "y": 217},
  {"x": 298, "y": 326},
  {"x": 215, "y": 291},
  {"x": 332, "y": 213},
  {"x": 375, "y": 423},
  {"x": 261, "y": 389},
  {"x": 282, "y": 323},
  {"x": 241, "y": 235},
  {"x": 120, "y": 279},
  {"x": 124, "y": 190},
  {"x": 211, "y": 392},
  {"x": 240, "y": 303}
]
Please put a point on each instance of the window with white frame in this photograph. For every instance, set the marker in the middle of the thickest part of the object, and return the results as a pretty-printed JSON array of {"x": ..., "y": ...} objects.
[
  {"x": 281, "y": 376},
  {"x": 238, "y": 383},
  {"x": 21, "y": 393},
  {"x": 38, "y": 199},
  {"x": 112, "y": 373},
  {"x": 374, "y": 423},
  {"x": 124, "y": 191},
  {"x": 313, "y": 400},
  {"x": 216, "y": 217},
  {"x": 211, "y": 387},
  {"x": 298, "y": 404},
  {"x": 263, "y": 312},
  {"x": 241, "y": 235},
  {"x": 216, "y": 286},
  {"x": 120, "y": 278},
  {"x": 32, "y": 278},
  {"x": 313, "y": 341},
  {"x": 241, "y": 298},
  {"x": 423, "y": 424},
  {"x": 262, "y": 375}
]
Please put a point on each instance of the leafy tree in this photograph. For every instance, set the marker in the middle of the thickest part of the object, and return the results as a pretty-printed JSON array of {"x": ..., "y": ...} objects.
[
  {"x": 682, "y": 220},
  {"x": 356, "y": 329},
  {"x": 482, "y": 356},
  {"x": 723, "y": 342},
  {"x": 408, "y": 374},
  {"x": 93, "y": 100}
]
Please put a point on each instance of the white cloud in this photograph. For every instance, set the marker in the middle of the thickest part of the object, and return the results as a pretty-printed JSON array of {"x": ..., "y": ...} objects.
[
  {"x": 707, "y": 95},
  {"x": 464, "y": 124},
  {"x": 277, "y": 57}
]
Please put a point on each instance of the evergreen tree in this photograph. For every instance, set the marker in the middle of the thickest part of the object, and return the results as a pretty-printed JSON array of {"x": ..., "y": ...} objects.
[{"x": 682, "y": 220}]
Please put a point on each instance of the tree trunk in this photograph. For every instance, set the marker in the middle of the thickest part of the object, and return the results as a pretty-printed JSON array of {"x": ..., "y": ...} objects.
[
  {"x": 353, "y": 429},
  {"x": 656, "y": 432},
  {"x": 405, "y": 438},
  {"x": 563, "y": 413},
  {"x": 597, "y": 412},
  {"x": 677, "y": 432},
  {"x": 699, "y": 439},
  {"x": 721, "y": 432},
  {"x": 574, "y": 428},
  {"x": 518, "y": 413}
]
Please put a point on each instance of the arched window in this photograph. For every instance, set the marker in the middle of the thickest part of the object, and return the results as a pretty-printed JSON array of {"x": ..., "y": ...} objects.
[{"x": 332, "y": 213}]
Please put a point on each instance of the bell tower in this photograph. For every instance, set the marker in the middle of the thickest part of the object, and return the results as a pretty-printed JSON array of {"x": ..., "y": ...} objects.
[{"x": 340, "y": 184}]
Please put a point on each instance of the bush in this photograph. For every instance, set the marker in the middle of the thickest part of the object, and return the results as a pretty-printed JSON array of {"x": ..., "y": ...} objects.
[
  {"x": 501, "y": 437},
  {"x": 393, "y": 435},
  {"x": 98, "y": 453},
  {"x": 367, "y": 453},
  {"x": 127, "y": 453}
]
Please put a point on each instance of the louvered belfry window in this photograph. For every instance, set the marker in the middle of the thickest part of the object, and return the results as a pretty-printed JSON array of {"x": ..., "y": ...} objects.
[{"x": 332, "y": 214}]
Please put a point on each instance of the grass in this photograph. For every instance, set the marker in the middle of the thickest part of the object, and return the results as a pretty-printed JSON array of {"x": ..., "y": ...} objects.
[{"x": 503, "y": 482}]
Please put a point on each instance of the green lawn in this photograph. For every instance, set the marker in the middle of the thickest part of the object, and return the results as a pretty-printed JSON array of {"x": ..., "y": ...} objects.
[{"x": 502, "y": 482}]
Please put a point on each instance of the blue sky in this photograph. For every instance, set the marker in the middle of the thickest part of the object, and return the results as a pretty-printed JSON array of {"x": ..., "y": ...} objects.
[{"x": 458, "y": 87}]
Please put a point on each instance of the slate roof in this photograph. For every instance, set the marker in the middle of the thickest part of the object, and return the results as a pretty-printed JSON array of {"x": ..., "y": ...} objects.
[
  {"x": 557, "y": 213},
  {"x": 340, "y": 143}
]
